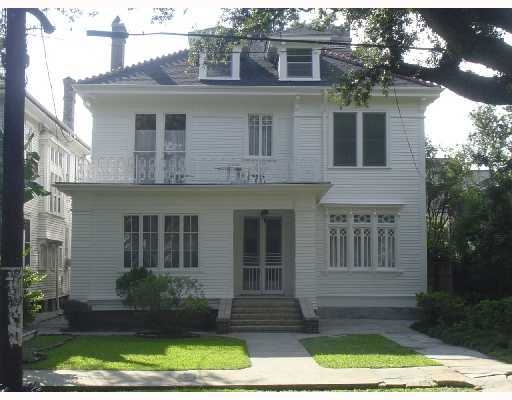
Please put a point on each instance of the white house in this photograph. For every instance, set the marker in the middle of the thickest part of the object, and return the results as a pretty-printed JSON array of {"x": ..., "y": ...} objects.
[
  {"x": 47, "y": 227},
  {"x": 244, "y": 176}
]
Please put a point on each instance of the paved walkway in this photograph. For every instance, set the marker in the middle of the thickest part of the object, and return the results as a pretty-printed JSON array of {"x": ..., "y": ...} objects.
[{"x": 278, "y": 359}]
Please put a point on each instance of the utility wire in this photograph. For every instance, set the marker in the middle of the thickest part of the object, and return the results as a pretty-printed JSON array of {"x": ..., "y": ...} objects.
[
  {"x": 124, "y": 35},
  {"x": 406, "y": 135},
  {"x": 51, "y": 88}
]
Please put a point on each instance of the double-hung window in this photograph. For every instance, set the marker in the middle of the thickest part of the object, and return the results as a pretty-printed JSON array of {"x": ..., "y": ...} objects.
[
  {"x": 174, "y": 148},
  {"x": 351, "y": 130},
  {"x": 260, "y": 135},
  {"x": 220, "y": 68},
  {"x": 362, "y": 240},
  {"x": 145, "y": 148},
  {"x": 299, "y": 63},
  {"x": 142, "y": 235}
]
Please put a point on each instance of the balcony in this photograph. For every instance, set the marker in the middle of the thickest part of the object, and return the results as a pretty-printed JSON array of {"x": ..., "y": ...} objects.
[{"x": 174, "y": 169}]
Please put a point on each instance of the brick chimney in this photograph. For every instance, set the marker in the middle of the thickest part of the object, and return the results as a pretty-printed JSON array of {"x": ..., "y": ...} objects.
[
  {"x": 68, "y": 113},
  {"x": 117, "y": 52}
]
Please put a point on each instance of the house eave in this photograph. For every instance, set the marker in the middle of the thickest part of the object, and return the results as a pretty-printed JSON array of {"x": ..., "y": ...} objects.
[
  {"x": 89, "y": 90},
  {"x": 317, "y": 188}
]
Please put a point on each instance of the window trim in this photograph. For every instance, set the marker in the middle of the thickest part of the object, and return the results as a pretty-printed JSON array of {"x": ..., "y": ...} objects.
[
  {"x": 260, "y": 142},
  {"x": 374, "y": 212},
  {"x": 180, "y": 270},
  {"x": 359, "y": 140}
]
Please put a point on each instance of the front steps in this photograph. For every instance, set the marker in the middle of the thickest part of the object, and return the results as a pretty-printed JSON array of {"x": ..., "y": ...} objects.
[{"x": 266, "y": 314}]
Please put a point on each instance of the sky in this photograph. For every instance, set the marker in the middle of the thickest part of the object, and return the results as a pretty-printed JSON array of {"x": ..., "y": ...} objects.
[{"x": 70, "y": 52}]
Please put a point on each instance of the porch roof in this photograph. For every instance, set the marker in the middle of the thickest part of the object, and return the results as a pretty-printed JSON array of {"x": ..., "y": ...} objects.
[{"x": 318, "y": 188}]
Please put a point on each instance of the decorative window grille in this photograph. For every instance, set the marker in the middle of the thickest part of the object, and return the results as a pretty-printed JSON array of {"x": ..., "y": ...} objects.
[
  {"x": 338, "y": 241},
  {"x": 171, "y": 241},
  {"x": 131, "y": 241},
  {"x": 145, "y": 148},
  {"x": 190, "y": 241},
  {"x": 260, "y": 135},
  {"x": 150, "y": 241},
  {"x": 174, "y": 148},
  {"x": 386, "y": 241},
  {"x": 362, "y": 234},
  {"x": 299, "y": 63}
]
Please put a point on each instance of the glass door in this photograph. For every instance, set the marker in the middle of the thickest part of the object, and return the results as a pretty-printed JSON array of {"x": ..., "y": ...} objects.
[{"x": 262, "y": 256}]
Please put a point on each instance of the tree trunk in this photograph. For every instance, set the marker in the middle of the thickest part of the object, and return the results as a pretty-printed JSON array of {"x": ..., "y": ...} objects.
[{"x": 11, "y": 268}]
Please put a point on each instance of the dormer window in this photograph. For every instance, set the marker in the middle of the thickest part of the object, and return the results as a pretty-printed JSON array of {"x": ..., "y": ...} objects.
[
  {"x": 299, "y": 63},
  {"x": 228, "y": 69},
  {"x": 219, "y": 69}
]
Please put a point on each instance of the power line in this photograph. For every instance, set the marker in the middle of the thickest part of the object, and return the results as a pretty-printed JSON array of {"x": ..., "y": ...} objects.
[
  {"x": 406, "y": 136},
  {"x": 124, "y": 35},
  {"x": 51, "y": 87}
]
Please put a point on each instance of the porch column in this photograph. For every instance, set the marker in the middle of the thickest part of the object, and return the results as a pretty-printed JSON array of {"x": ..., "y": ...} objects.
[{"x": 305, "y": 251}]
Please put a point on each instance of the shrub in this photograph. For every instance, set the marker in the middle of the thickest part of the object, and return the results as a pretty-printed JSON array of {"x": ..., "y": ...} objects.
[
  {"x": 440, "y": 308},
  {"x": 125, "y": 281},
  {"x": 32, "y": 299},
  {"x": 158, "y": 293},
  {"x": 76, "y": 313},
  {"x": 492, "y": 314}
]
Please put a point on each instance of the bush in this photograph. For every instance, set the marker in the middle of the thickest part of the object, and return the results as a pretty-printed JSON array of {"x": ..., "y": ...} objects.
[
  {"x": 156, "y": 294},
  {"x": 32, "y": 299},
  {"x": 76, "y": 313},
  {"x": 440, "y": 308},
  {"x": 492, "y": 314}
]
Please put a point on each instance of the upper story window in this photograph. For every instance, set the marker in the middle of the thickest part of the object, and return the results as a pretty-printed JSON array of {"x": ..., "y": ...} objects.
[
  {"x": 145, "y": 148},
  {"x": 260, "y": 135},
  {"x": 174, "y": 148},
  {"x": 299, "y": 63},
  {"x": 351, "y": 130},
  {"x": 227, "y": 68}
]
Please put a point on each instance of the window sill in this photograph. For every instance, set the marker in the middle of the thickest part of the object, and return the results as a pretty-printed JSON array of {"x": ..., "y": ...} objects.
[
  {"x": 352, "y": 167},
  {"x": 394, "y": 270}
]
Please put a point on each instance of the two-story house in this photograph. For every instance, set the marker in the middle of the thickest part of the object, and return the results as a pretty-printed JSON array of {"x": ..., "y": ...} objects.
[
  {"x": 47, "y": 225},
  {"x": 246, "y": 177}
]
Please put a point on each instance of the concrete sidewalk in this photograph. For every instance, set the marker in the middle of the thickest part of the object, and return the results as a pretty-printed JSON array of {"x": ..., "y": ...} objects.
[{"x": 278, "y": 359}]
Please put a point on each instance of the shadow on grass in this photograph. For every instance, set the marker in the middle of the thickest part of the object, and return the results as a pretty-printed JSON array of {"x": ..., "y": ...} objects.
[{"x": 135, "y": 353}]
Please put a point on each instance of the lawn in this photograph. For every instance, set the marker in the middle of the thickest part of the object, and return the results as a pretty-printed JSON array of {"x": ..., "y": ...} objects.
[
  {"x": 143, "y": 354},
  {"x": 362, "y": 351}
]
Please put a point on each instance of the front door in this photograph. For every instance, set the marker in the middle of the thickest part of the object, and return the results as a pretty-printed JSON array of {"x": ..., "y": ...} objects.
[{"x": 262, "y": 255}]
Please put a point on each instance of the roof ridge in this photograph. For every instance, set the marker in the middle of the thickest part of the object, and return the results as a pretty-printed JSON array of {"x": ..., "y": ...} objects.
[
  {"x": 349, "y": 58},
  {"x": 128, "y": 68}
]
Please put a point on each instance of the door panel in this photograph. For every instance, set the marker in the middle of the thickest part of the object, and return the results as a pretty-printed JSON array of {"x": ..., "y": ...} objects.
[{"x": 262, "y": 255}]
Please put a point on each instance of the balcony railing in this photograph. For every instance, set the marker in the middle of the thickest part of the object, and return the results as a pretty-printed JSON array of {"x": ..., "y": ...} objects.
[{"x": 176, "y": 169}]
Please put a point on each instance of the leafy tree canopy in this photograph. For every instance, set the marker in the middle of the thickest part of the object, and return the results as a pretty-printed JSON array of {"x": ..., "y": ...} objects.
[{"x": 455, "y": 37}]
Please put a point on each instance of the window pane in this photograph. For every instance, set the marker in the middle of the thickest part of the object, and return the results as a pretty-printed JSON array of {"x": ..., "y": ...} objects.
[
  {"x": 344, "y": 139},
  {"x": 374, "y": 139},
  {"x": 145, "y": 122},
  {"x": 266, "y": 135},
  {"x": 300, "y": 70},
  {"x": 190, "y": 241},
  {"x": 150, "y": 241},
  {"x": 172, "y": 242},
  {"x": 273, "y": 242},
  {"x": 219, "y": 68},
  {"x": 175, "y": 122},
  {"x": 131, "y": 242},
  {"x": 251, "y": 252},
  {"x": 254, "y": 135},
  {"x": 299, "y": 55},
  {"x": 300, "y": 62}
]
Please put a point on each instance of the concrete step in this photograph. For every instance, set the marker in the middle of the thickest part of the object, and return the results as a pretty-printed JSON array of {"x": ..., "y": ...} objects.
[
  {"x": 263, "y": 310},
  {"x": 269, "y": 328},
  {"x": 265, "y": 322},
  {"x": 274, "y": 316}
]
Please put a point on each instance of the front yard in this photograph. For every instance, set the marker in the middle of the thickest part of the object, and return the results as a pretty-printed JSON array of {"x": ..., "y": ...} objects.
[
  {"x": 143, "y": 354},
  {"x": 362, "y": 351}
]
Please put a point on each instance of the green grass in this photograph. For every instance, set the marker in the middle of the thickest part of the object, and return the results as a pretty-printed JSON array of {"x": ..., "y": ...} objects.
[
  {"x": 246, "y": 389},
  {"x": 143, "y": 354},
  {"x": 362, "y": 351},
  {"x": 40, "y": 343}
]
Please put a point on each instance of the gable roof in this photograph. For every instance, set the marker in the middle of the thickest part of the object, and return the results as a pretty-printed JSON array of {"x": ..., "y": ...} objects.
[{"x": 174, "y": 69}]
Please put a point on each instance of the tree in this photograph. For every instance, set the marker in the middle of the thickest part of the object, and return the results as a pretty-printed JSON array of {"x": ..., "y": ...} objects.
[{"x": 454, "y": 36}]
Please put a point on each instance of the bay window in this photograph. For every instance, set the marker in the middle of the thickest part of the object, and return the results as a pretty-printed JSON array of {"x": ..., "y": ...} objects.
[{"x": 361, "y": 241}]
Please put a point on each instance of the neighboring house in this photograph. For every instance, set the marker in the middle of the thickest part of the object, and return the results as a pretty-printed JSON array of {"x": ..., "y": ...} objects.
[
  {"x": 244, "y": 176},
  {"x": 47, "y": 226}
]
